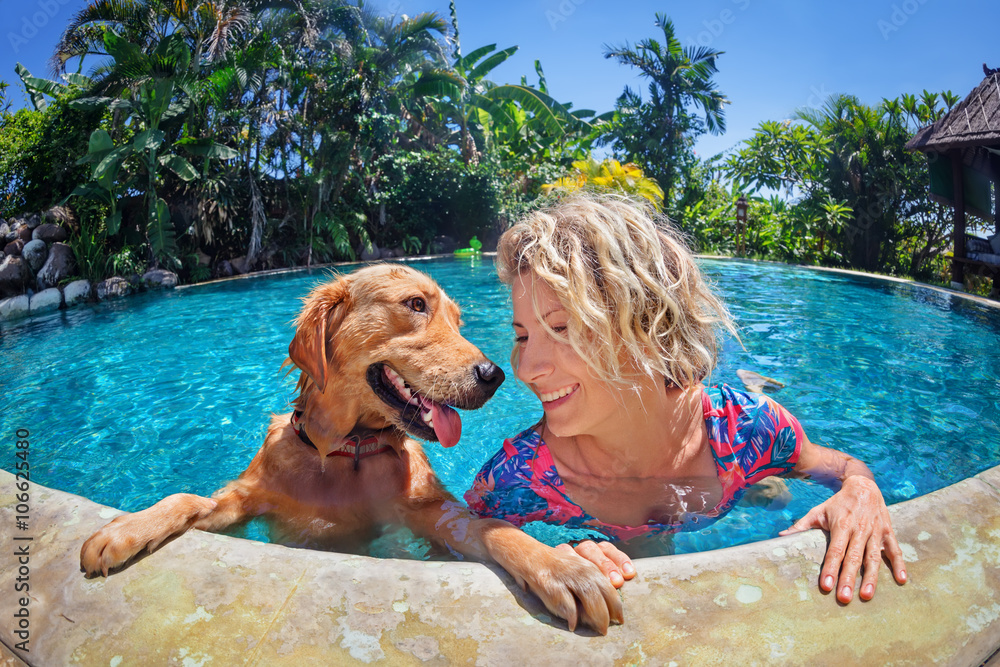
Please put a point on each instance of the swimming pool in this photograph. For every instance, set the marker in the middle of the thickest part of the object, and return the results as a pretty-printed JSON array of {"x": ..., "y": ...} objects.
[{"x": 131, "y": 401}]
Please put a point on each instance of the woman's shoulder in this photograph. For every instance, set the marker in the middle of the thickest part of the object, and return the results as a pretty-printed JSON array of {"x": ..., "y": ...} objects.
[{"x": 752, "y": 431}]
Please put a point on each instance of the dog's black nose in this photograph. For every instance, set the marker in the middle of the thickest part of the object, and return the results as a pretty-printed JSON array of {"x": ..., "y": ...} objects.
[{"x": 489, "y": 376}]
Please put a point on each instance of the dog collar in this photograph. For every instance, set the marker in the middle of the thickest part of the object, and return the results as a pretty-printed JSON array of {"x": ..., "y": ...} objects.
[{"x": 354, "y": 445}]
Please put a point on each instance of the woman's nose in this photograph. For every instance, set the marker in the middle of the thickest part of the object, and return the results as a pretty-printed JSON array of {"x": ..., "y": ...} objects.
[{"x": 533, "y": 363}]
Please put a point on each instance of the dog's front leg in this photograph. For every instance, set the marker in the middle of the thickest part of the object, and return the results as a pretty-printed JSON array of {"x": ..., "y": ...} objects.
[
  {"x": 116, "y": 543},
  {"x": 569, "y": 586}
]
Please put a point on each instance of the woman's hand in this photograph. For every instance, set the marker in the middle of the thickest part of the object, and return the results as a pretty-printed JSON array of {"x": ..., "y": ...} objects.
[
  {"x": 607, "y": 557},
  {"x": 860, "y": 528}
]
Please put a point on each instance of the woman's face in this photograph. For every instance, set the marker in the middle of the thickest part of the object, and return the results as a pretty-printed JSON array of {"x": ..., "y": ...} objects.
[{"x": 575, "y": 402}]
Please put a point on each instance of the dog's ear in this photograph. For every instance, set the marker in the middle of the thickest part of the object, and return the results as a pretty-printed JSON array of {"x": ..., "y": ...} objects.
[{"x": 315, "y": 328}]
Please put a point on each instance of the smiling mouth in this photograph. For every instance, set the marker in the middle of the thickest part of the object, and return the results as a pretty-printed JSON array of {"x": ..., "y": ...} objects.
[
  {"x": 555, "y": 395},
  {"x": 417, "y": 414}
]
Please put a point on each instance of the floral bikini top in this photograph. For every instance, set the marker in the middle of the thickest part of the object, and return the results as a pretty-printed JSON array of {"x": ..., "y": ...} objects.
[{"x": 750, "y": 439}]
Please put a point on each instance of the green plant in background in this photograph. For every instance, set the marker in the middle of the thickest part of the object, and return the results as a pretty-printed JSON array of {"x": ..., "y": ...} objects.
[
  {"x": 89, "y": 246},
  {"x": 155, "y": 80},
  {"x": 38, "y": 148},
  {"x": 435, "y": 193},
  {"x": 657, "y": 132},
  {"x": 858, "y": 197},
  {"x": 487, "y": 117},
  {"x": 411, "y": 244}
]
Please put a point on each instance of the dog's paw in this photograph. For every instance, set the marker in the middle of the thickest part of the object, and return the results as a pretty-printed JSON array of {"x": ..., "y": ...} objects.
[
  {"x": 111, "y": 546},
  {"x": 119, "y": 541},
  {"x": 575, "y": 589}
]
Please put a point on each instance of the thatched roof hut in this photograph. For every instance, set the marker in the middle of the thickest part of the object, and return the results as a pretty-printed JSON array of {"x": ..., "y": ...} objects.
[{"x": 963, "y": 151}]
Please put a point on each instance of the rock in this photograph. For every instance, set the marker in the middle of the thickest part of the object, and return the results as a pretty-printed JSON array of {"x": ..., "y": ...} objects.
[
  {"x": 76, "y": 292},
  {"x": 443, "y": 245},
  {"x": 60, "y": 264},
  {"x": 239, "y": 265},
  {"x": 399, "y": 252},
  {"x": 159, "y": 279},
  {"x": 223, "y": 269},
  {"x": 270, "y": 258},
  {"x": 14, "y": 247},
  {"x": 50, "y": 233},
  {"x": 15, "y": 306},
  {"x": 60, "y": 215},
  {"x": 369, "y": 255},
  {"x": 15, "y": 276},
  {"x": 203, "y": 259},
  {"x": 24, "y": 233},
  {"x": 113, "y": 288},
  {"x": 387, "y": 253},
  {"x": 4, "y": 229},
  {"x": 29, "y": 220},
  {"x": 49, "y": 299},
  {"x": 35, "y": 253}
]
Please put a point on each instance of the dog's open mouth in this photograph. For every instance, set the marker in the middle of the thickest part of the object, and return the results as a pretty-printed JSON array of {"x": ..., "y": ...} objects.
[{"x": 419, "y": 415}]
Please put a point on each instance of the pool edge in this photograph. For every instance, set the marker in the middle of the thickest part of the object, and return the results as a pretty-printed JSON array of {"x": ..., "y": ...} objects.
[{"x": 209, "y": 596}]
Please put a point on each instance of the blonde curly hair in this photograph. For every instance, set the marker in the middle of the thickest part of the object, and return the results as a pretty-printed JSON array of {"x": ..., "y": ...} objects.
[{"x": 636, "y": 299}]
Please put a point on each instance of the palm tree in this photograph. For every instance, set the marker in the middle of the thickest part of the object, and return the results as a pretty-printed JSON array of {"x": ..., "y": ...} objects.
[
  {"x": 654, "y": 131},
  {"x": 208, "y": 26}
]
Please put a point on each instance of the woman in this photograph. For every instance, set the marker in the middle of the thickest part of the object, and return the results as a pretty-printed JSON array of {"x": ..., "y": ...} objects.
[{"x": 615, "y": 330}]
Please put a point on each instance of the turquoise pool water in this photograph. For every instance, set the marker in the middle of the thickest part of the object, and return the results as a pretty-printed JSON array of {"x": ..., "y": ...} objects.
[{"x": 162, "y": 393}]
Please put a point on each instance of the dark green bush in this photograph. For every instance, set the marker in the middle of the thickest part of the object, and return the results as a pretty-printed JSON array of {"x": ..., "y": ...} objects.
[
  {"x": 38, "y": 153},
  {"x": 430, "y": 193}
]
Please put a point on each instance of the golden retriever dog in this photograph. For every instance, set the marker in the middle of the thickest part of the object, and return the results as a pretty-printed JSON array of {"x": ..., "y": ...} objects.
[{"x": 381, "y": 358}]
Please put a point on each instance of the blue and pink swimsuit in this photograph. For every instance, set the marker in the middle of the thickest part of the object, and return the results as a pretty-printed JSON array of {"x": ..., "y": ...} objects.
[{"x": 750, "y": 439}]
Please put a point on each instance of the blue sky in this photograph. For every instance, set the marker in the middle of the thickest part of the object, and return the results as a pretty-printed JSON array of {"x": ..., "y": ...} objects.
[{"x": 779, "y": 55}]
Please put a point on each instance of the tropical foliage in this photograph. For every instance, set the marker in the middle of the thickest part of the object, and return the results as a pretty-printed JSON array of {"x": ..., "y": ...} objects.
[
  {"x": 658, "y": 132},
  {"x": 858, "y": 198},
  {"x": 208, "y": 134}
]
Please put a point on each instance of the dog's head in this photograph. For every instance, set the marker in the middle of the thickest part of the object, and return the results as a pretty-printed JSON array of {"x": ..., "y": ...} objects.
[{"x": 380, "y": 347}]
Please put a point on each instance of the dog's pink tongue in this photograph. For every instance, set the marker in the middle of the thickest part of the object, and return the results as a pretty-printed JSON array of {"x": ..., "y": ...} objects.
[{"x": 447, "y": 424}]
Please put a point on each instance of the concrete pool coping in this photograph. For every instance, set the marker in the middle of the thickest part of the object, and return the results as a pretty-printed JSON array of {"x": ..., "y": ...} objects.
[{"x": 211, "y": 599}]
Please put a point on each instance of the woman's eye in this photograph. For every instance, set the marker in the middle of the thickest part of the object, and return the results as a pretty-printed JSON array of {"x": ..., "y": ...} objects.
[
  {"x": 417, "y": 305},
  {"x": 520, "y": 339},
  {"x": 560, "y": 329}
]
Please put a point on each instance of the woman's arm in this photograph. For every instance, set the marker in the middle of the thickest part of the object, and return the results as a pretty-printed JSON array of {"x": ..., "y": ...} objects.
[{"x": 856, "y": 518}]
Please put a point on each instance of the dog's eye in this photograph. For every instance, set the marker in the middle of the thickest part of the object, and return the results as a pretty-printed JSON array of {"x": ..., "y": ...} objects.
[{"x": 417, "y": 305}]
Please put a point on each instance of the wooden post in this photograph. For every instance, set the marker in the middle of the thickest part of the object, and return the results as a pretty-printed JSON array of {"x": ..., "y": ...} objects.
[
  {"x": 957, "y": 267},
  {"x": 995, "y": 178}
]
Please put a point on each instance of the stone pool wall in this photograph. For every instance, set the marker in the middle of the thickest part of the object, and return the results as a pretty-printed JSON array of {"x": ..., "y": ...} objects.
[{"x": 207, "y": 599}]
